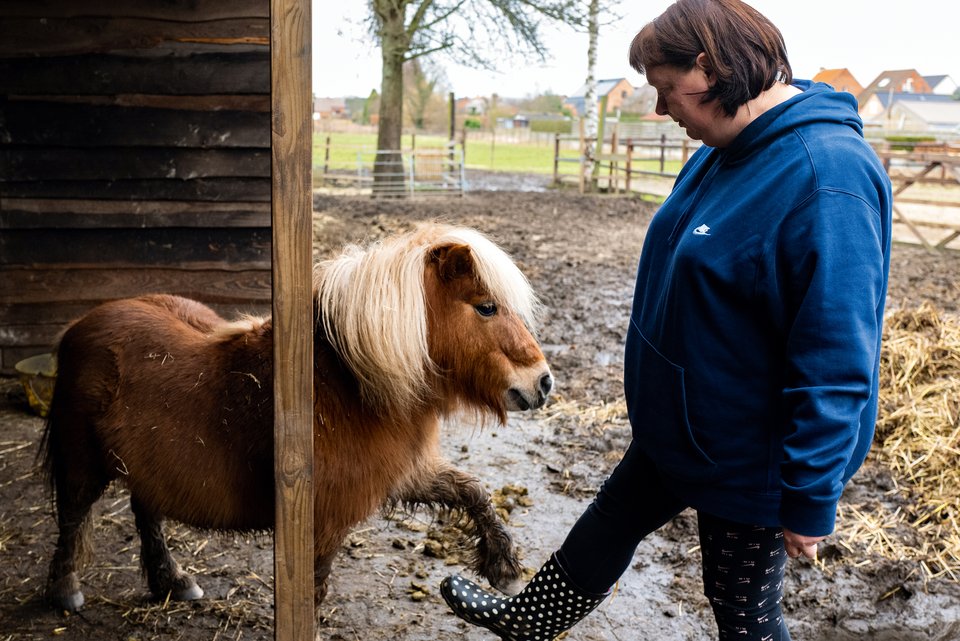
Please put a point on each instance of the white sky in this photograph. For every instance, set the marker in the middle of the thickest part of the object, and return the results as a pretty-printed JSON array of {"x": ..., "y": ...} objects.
[{"x": 865, "y": 36}]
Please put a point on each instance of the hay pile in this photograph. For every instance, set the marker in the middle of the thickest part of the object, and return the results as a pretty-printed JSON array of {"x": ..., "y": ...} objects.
[{"x": 918, "y": 440}]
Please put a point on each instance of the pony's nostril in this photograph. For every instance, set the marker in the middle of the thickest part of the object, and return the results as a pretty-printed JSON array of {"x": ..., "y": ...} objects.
[
  {"x": 519, "y": 400},
  {"x": 546, "y": 384}
]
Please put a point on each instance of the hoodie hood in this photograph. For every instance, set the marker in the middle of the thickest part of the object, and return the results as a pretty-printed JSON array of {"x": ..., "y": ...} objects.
[{"x": 817, "y": 104}]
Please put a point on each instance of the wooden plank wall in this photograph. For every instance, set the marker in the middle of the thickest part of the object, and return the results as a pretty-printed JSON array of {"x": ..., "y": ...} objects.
[{"x": 134, "y": 158}]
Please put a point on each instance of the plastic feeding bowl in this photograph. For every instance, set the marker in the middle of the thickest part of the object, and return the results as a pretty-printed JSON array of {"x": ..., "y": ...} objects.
[{"x": 37, "y": 375}]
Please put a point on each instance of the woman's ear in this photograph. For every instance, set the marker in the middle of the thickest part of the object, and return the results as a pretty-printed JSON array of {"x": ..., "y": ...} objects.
[{"x": 703, "y": 64}]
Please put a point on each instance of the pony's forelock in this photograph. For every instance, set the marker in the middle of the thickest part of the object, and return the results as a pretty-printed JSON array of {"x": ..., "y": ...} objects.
[
  {"x": 498, "y": 274},
  {"x": 373, "y": 310}
]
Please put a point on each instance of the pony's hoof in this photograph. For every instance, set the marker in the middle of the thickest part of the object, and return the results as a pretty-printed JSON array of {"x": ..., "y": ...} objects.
[
  {"x": 70, "y": 602},
  {"x": 189, "y": 593},
  {"x": 510, "y": 588}
]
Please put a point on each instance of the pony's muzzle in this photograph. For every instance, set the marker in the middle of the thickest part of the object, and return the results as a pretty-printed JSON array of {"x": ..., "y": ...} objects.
[{"x": 532, "y": 394}]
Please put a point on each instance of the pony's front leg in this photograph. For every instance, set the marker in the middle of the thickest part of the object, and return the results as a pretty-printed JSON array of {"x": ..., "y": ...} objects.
[{"x": 445, "y": 486}]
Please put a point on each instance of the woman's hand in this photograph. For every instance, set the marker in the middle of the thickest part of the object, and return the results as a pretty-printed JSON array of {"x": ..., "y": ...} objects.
[{"x": 797, "y": 544}]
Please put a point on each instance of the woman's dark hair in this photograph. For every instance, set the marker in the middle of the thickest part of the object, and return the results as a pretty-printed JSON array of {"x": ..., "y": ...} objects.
[{"x": 744, "y": 49}]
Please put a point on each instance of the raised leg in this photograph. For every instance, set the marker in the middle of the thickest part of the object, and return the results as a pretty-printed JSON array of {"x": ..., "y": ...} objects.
[
  {"x": 494, "y": 556},
  {"x": 164, "y": 575}
]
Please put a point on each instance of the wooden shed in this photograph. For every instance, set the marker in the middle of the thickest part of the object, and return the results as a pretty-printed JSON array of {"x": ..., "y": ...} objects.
[
  {"x": 135, "y": 156},
  {"x": 165, "y": 147}
]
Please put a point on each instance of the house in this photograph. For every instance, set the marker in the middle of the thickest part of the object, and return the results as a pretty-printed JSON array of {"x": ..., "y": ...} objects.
[
  {"x": 943, "y": 85},
  {"x": 924, "y": 112},
  {"x": 839, "y": 79},
  {"x": 472, "y": 106},
  {"x": 643, "y": 102},
  {"x": 877, "y": 109},
  {"x": 328, "y": 108},
  {"x": 616, "y": 90},
  {"x": 889, "y": 83}
]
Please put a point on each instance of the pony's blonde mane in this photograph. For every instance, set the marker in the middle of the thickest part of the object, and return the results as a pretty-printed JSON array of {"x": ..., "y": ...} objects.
[{"x": 373, "y": 307}]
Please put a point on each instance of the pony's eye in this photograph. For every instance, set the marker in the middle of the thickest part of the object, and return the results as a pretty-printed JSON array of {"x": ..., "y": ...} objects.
[{"x": 486, "y": 309}]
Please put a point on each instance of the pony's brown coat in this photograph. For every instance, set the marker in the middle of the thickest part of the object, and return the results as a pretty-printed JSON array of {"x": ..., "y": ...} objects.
[{"x": 163, "y": 394}]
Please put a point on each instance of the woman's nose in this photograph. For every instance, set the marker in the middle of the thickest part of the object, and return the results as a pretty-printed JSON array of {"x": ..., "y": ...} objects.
[{"x": 661, "y": 107}]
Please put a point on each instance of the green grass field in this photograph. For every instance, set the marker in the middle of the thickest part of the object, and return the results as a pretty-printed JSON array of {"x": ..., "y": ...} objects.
[{"x": 347, "y": 149}]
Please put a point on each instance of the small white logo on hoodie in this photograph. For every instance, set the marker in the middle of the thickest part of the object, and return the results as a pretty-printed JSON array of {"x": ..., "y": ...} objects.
[{"x": 702, "y": 230}]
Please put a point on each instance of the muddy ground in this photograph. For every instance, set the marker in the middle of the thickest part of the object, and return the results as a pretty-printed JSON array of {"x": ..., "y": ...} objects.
[{"x": 580, "y": 254}]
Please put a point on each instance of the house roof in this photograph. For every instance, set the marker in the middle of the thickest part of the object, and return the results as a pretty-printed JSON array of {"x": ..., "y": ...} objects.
[
  {"x": 936, "y": 113},
  {"x": 840, "y": 79},
  {"x": 830, "y": 75},
  {"x": 892, "y": 79},
  {"x": 604, "y": 87},
  {"x": 904, "y": 96}
]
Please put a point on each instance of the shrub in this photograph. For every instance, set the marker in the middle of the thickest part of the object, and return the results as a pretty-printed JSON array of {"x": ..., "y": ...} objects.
[
  {"x": 551, "y": 126},
  {"x": 907, "y": 143}
]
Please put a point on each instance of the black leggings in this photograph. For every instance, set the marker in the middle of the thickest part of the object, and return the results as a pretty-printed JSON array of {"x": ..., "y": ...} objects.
[{"x": 743, "y": 565}]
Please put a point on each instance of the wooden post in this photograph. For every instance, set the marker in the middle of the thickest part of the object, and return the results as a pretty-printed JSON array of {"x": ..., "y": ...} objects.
[
  {"x": 629, "y": 163},
  {"x": 613, "y": 181},
  {"x": 326, "y": 158},
  {"x": 292, "y": 210},
  {"x": 556, "y": 159},
  {"x": 598, "y": 149},
  {"x": 583, "y": 156},
  {"x": 686, "y": 152},
  {"x": 663, "y": 152}
]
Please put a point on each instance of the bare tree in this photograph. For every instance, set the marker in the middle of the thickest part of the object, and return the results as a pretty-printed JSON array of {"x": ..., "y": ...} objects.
[
  {"x": 470, "y": 31},
  {"x": 419, "y": 88}
]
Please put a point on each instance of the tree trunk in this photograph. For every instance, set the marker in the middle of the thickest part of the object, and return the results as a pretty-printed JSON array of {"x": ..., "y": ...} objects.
[
  {"x": 388, "y": 176},
  {"x": 591, "y": 149}
]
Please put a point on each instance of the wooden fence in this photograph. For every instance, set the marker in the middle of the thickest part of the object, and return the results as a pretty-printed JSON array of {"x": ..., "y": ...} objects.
[
  {"x": 423, "y": 171},
  {"x": 619, "y": 163}
]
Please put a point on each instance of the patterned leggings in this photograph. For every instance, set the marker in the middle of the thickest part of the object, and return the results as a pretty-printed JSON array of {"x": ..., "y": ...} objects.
[{"x": 743, "y": 565}]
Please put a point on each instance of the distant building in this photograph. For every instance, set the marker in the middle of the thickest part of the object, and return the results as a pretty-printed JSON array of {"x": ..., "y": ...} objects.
[
  {"x": 327, "y": 108},
  {"x": 889, "y": 83},
  {"x": 839, "y": 79},
  {"x": 943, "y": 85},
  {"x": 616, "y": 91},
  {"x": 877, "y": 108},
  {"x": 923, "y": 112},
  {"x": 471, "y": 106}
]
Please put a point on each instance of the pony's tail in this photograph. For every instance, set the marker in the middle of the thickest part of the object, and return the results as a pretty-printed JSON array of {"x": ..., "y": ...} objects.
[{"x": 45, "y": 461}]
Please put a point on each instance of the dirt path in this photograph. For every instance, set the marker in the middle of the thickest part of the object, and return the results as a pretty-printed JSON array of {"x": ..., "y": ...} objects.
[{"x": 580, "y": 253}]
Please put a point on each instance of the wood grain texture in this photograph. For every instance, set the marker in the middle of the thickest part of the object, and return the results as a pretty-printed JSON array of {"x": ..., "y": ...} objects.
[
  {"x": 68, "y": 213},
  {"x": 62, "y": 124},
  {"x": 112, "y": 74},
  {"x": 59, "y": 285},
  {"x": 28, "y": 37},
  {"x": 293, "y": 322}
]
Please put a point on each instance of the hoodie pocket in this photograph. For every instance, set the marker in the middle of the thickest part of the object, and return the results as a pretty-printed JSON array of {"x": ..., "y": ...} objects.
[{"x": 656, "y": 402}]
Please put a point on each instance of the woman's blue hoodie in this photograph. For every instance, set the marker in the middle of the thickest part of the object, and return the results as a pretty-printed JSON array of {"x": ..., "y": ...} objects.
[{"x": 753, "y": 347}]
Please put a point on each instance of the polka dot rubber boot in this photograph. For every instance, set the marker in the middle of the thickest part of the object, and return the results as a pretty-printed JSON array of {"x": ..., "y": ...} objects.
[{"x": 549, "y": 605}]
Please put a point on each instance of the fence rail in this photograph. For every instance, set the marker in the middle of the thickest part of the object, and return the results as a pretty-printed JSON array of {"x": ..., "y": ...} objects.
[
  {"x": 619, "y": 162},
  {"x": 406, "y": 173}
]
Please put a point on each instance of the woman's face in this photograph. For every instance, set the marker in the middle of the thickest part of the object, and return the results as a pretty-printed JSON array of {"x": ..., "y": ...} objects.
[{"x": 680, "y": 96}]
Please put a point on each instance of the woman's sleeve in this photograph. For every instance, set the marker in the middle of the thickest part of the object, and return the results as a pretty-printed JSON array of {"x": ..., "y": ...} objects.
[{"x": 831, "y": 271}]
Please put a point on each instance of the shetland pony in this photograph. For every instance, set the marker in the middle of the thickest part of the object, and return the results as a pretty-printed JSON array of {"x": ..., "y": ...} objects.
[{"x": 165, "y": 396}]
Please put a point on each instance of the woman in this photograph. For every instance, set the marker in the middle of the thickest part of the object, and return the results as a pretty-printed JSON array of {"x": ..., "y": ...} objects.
[{"x": 751, "y": 364}]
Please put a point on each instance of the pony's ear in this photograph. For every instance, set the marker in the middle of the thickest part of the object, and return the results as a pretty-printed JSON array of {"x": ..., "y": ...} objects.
[{"x": 453, "y": 261}]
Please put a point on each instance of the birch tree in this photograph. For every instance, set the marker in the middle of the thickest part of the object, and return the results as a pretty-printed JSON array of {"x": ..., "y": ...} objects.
[{"x": 590, "y": 116}]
